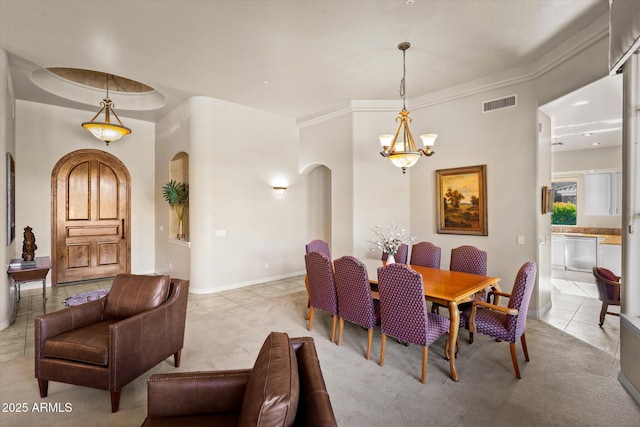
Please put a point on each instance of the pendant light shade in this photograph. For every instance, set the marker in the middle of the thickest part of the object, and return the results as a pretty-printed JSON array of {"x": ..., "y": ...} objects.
[{"x": 105, "y": 130}]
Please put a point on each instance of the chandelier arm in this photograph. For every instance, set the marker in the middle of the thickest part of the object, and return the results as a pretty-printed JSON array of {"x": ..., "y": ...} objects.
[
  {"x": 116, "y": 116},
  {"x": 98, "y": 113},
  {"x": 395, "y": 138}
]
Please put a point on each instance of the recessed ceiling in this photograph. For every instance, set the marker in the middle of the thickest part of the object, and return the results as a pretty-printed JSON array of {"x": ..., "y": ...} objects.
[
  {"x": 588, "y": 118},
  {"x": 89, "y": 87},
  {"x": 100, "y": 80}
]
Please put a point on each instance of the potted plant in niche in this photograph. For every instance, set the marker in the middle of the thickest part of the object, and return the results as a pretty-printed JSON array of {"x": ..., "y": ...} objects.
[{"x": 176, "y": 193}]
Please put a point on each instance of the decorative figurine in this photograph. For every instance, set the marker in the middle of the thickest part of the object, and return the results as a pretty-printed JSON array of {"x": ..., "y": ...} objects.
[{"x": 29, "y": 245}]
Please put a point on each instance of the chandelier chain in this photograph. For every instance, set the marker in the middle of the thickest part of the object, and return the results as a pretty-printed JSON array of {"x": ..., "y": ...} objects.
[{"x": 402, "y": 82}]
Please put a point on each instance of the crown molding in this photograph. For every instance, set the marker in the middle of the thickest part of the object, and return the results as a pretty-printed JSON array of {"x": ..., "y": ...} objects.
[{"x": 574, "y": 45}]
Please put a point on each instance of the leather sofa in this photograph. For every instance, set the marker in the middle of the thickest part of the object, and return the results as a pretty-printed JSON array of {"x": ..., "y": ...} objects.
[
  {"x": 285, "y": 388},
  {"x": 109, "y": 342}
]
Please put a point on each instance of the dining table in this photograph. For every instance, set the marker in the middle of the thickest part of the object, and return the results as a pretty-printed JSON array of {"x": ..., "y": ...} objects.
[{"x": 448, "y": 288}]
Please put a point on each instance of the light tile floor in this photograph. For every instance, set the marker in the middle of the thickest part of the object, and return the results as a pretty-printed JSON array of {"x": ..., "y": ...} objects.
[{"x": 575, "y": 309}]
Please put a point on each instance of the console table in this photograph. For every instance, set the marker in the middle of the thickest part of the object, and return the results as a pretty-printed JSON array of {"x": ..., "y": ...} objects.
[{"x": 22, "y": 275}]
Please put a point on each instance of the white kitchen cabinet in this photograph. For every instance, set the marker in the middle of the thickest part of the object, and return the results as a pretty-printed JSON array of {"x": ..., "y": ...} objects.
[
  {"x": 597, "y": 194},
  {"x": 557, "y": 252},
  {"x": 581, "y": 253},
  {"x": 603, "y": 193}
]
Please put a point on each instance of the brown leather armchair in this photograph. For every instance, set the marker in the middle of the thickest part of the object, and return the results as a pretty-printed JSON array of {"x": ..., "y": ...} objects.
[
  {"x": 284, "y": 388},
  {"x": 109, "y": 342}
]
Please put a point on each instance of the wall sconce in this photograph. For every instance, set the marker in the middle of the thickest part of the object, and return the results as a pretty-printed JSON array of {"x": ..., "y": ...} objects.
[{"x": 279, "y": 191}]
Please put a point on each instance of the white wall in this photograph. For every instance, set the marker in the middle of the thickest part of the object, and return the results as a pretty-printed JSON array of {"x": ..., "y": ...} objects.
[
  {"x": 44, "y": 134},
  {"x": 574, "y": 164},
  {"x": 7, "y": 145},
  {"x": 237, "y": 154},
  {"x": 172, "y": 137},
  {"x": 329, "y": 143},
  {"x": 505, "y": 141},
  {"x": 542, "y": 294},
  {"x": 381, "y": 192},
  {"x": 606, "y": 159}
]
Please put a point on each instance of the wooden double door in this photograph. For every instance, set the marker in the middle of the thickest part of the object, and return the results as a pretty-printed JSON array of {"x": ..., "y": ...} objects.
[{"x": 90, "y": 217}]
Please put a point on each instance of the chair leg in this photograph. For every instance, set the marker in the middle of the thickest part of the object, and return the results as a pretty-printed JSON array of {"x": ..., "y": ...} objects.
[
  {"x": 115, "y": 400},
  {"x": 369, "y": 342},
  {"x": 524, "y": 347},
  {"x": 470, "y": 337},
  {"x": 425, "y": 356},
  {"x": 43, "y": 385},
  {"x": 176, "y": 358},
  {"x": 383, "y": 345},
  {"x": 333, "y": 327},
  {"x": 514, "y": 359},
  {"x": 311, "y": 313},
  {"x": 603, "y": 311},
  {"x": 340, "y": 329}
]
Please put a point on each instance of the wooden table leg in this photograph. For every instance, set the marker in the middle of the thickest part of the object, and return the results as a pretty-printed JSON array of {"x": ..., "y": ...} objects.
[{"x": 454, "y": 317}]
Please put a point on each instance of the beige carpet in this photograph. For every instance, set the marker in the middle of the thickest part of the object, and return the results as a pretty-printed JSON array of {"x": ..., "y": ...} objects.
[{"x": 566, "y": 383}]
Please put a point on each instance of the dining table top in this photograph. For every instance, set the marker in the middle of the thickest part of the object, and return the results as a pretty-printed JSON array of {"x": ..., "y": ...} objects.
[{"x": 440, "y": 285}]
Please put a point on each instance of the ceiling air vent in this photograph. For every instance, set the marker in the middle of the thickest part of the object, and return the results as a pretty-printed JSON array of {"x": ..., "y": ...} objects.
[{"x": 498, "y": 104}]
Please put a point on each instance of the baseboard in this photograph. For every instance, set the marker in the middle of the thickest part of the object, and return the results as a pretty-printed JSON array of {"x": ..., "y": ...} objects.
[
  {"x": 244, "y": 284},
  {"x": 629, "y": 346},
  {"x": 635, "y": 394},
  {"x": 539, "y": 313}
]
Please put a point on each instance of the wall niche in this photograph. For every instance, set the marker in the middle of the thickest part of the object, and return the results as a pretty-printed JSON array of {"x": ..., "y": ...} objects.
[{"x": 179, "y": 171}]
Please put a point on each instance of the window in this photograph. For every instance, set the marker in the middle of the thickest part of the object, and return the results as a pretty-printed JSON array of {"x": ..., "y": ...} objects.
[{"x": 565, "y": 205}]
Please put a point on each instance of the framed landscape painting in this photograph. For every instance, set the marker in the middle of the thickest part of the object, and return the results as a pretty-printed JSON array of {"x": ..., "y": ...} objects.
[{"x": 462, "y": 200}]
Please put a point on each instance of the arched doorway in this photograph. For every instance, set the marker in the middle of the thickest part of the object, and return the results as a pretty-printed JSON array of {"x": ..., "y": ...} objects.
[
  {"x": 90, "y": 217},
  {"x": 319, "y": 203}
]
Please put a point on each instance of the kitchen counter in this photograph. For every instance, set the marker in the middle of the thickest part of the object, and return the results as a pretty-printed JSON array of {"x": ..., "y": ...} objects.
[
  {"x": 580, "y": 249},
  {"x": 608, "y": 239}
]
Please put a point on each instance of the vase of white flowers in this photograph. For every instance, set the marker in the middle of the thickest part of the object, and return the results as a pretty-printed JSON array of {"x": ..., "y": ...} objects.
[{"x": 389, "y": 240}]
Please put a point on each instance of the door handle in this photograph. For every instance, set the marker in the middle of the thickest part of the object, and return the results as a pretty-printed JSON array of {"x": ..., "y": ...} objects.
[{"x": 123, "y": 233}]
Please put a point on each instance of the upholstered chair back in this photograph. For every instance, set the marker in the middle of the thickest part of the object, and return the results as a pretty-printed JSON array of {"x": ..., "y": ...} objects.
[
  {"x": 425, "y": 254},
  {"x": 318, "y": 246},
  {"x": 354, "y": 292},
  {"x": 468, "y": 259},
  {"x": 322, "y": 288}
]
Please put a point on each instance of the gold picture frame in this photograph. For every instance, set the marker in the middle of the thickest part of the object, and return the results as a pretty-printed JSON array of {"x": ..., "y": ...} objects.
[
  {"x": 462, "y": 200},
  {"x": 547, "y": 200}
]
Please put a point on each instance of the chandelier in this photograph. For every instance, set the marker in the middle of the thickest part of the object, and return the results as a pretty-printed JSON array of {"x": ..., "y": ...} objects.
[
  {"x": 106, "y": 131},
  {"x": 400, "y": 148}
]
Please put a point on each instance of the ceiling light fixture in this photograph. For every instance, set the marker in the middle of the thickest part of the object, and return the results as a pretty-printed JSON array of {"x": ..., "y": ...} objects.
[
  {"x": 579, "y": 103},
  {"x": 403, "y": 152},
  {"x": 106, "y": 131}
]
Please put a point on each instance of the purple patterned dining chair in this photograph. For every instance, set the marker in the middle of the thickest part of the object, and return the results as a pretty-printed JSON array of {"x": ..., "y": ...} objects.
[
  {"x": 316, "y": 245},
  {"x": 608, "y": 290},
  {"x": 403, "y": 311},
  {"x": 466, "y": 259},
  {"x": 425, "y": 254},
  {"x": 355, "y": 303},
  {"x": 401, "y": 256},
  {"x": 322, "y": 288},
  {"x": 504, "y": 323}
]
